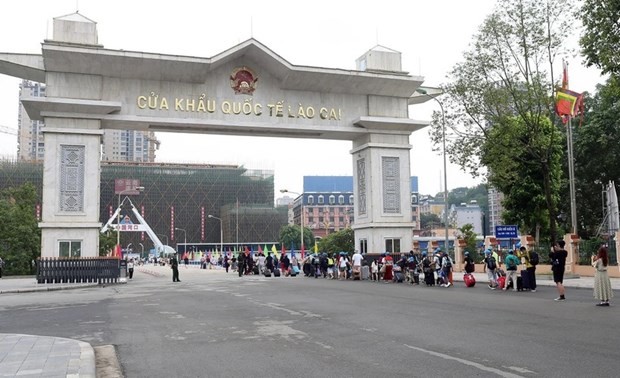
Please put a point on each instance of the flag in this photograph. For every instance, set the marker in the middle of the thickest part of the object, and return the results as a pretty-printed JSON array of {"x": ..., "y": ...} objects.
[
  {"x": 316, "y": 247},
  {"x": 568, "y": 104},
  {"x": 274, "y": 250},
  {"x": 117, "y": 251},
  {"x": 260, "y": 250},
  {"x": 283, "y": 251},
  {"x": 265, "y": 249},
  {"x": 252, "y": 251},
  {"x": 292, "y": 250}
]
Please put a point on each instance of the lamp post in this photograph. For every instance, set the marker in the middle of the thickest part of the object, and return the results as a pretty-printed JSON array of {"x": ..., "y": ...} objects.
[
  {"x": 142, "y": 252},
  {"x": 221, "y": 232},
  {"x": 127, "y": 249},
  {"x": 184, "y": 238},
  {"x": 301, "y": 247},
  {"x": 445, "y": 163},
  {"x": 118, "y": 216}
]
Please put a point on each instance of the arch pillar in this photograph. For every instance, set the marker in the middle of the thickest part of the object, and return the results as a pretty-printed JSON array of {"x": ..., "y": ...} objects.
[
  {"x": 382, "y": 191},
  {"x": 71, "y": 180}
]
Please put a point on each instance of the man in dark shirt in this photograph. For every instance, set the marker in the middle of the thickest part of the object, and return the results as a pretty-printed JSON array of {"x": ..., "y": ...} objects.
[
  {"x": 174, "y": 264},
  {"x": 558, "y": 257},
  {"x": 242, "y": 264}
]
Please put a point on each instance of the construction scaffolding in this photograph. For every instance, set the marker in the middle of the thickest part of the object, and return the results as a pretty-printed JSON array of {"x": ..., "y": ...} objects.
[{"x": 178, "y": 198}]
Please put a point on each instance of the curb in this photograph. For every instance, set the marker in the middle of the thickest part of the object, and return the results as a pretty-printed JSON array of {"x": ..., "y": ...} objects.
[{"x": 34, "y": 290}]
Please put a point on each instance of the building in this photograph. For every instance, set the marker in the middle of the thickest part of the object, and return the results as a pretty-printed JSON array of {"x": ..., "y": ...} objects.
[
  {"x": 178, "y": 199},
  {"x": 469, "y": 213},
  {"x": 117, "y": 145},
  {"x": 328, "y": 204},
  {"x": 495, "y": 209}
]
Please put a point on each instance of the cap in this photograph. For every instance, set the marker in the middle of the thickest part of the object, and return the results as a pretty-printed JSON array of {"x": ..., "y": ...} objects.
[
  {"x": 424, "y": 253},
  {"x": 466, "y": 253},
  {"x": 438, "y": 249},
  {"x": 510, "y": 251}
]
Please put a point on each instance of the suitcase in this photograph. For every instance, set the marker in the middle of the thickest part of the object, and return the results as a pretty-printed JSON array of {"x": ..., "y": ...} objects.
[
  {"x": 255, "y": 269},
  {"x": 469, "y": 280},
  {"x": 365, "y": 272},
  {"x": 525, "y": 278},
  {"x": 399, "y": 277},
  {"x": 519, "y": 283},
  {"x": 276, "y": 272},
  {"x": 267, "y": 272},
  {"x": 416, "y": 278},
  {"x": 295, "y": 270},
  {"x": 501, "y": 282},
  {"x": 429, "y": 278}
]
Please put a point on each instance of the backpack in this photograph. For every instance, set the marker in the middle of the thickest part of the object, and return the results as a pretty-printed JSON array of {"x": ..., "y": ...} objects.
[
  {"x": 511, "y": 264},
  {"x": 534, "y": 258},
  {"x": 491, "y": 263},
  {"x": 448, "y": 262}
]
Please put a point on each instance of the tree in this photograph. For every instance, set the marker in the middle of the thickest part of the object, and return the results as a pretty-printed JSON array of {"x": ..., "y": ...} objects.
[
  {"x": 429, "y": 220},
  {"x": 107, "y": 241},
  {"x": 338, "y": 241},
  {"x": 597, "y": 154},
  {"x": 506, "y": 80},
  {"x": 600, "y": 41},
  {"x": 468, "y": 234},
  {"x": 20, "y": 237},
  {"x": 290, "y": 235}
]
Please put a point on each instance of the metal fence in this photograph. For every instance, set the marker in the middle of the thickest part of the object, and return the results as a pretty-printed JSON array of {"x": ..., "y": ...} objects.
[{"x": 78, "y": 270}]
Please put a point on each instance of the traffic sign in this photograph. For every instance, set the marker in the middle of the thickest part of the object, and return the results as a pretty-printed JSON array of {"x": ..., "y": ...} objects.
[{"x": 507, "y": 232}]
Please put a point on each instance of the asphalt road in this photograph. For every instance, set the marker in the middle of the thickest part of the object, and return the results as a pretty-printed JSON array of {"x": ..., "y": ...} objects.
[{"x": 217, "y": 325}]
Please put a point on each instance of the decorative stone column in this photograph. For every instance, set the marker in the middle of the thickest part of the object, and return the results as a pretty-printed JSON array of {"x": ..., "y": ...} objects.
[{"x": 572, "y": 247}]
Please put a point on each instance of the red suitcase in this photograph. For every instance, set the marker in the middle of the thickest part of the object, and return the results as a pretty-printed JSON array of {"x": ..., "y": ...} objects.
[
  {"x": 501, "y": 282},
  {"x": 469, "y": 280}
]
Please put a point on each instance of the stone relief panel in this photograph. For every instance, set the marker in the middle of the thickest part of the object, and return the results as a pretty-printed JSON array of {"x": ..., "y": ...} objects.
[
  {"x": 361, "y": 186},
  {"x": 72, "y": 178},
  {"x": 390, "y": 171}
]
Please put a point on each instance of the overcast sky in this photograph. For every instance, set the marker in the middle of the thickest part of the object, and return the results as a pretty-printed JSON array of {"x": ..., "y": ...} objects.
[{"x": 431, "y": 35}]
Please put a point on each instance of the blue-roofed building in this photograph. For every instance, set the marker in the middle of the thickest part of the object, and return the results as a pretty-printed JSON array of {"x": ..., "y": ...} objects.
[{"x": 328, "y": 204}]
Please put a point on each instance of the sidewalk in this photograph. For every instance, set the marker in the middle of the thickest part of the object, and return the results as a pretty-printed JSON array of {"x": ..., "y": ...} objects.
[
  {"x": 43, "y": 356},
  {"x": 28, "y": 284},
  {"x": 547, "y": 280}
]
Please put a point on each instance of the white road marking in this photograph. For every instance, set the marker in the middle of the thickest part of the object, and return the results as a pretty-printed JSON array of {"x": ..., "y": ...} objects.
[
  {"x": 519, "y": 369},
  {"x": 465, "y": 362}
]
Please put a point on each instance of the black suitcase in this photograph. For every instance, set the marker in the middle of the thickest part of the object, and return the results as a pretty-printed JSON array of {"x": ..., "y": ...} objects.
[
  {"x": 525, "y": 277},
  {"x": 276, "y": 272},
  {"x": 519, "y": 283},
  {"x": 429, "y": 278},
  {"x": 416, "y": 278},
  {"x": 267, "y": 272},
  {"x": 255, "y": 269}
]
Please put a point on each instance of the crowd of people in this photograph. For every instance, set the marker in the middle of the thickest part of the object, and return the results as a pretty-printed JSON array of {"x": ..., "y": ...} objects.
[{"x": 435, "y": 269}]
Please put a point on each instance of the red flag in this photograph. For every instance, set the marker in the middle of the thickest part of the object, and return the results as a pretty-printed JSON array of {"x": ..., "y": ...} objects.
[
  {"x": 117, "y": 251},
  {"x": 260, "y": 250}
]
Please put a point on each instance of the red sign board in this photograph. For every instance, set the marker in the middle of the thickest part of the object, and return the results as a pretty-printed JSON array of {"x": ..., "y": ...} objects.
[{"x": 126, "y": 186}]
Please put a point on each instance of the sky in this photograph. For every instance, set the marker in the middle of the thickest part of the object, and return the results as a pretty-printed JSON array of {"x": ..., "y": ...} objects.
[{"x": 431, "y": 36}]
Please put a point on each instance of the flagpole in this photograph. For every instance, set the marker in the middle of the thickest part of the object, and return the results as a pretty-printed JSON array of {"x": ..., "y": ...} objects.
[{"x": 571, "y": 176}]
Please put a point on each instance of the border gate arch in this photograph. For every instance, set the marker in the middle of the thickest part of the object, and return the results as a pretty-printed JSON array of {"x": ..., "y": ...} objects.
[{"x": 245, "y": 90}]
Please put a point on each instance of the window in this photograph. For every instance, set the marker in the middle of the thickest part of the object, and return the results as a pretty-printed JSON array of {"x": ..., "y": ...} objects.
[
  {"x": 332, "y": 200},
  {"x": 321, "y": 199},
  {"x": 310, "y": 200},
  {"x": 392, "y": 245},
  {"x": 70, "y": 248},
  {"x": 363, "y": 246},
  {"x": 341, "y": 199},
  {"x": 350, "y": 200}
]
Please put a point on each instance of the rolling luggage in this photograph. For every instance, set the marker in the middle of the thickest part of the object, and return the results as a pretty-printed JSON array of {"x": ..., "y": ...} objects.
[
  {"x": 525, "y": 277},
  {"x": 267, "y": 272},
  {"x": 429, "y": 278},
  {"x": 501, "y": 282},
  {"x": 469, "y": 280},
  {"x": 276, "y": 272},
  {"x": 519, "y": 283},
  {"x": 365, "y": 272},
  {"x": 416, "y": 278},
  {"x": 255, "y": 269},
  {"x": 295, "y": 270}
]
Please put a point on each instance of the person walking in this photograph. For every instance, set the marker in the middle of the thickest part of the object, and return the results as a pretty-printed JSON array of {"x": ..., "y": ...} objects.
[
  {"x": 512, "y": 263},
  {"x": 174, "y": 264},
  {"x": 602, "y": 284},
  {"x": 241, "y": 264},
  {"x": 490, "y": 266},
  {"x": 130, "y": 268},
  {"x": 558, "y": 256}
]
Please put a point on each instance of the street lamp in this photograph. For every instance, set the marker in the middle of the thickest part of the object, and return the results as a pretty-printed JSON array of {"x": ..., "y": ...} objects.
[
  {"x": 164, "y": 236},
  {"x": 127, "y": 249},
  {"x": 142, "y": 252},
  {"x": 445, "y": 164},
  {"x": 221, "y": 232},
  {"x": 184, "y": 238},
  {"x": 118, "y": 216},
  {"x": 302, "y": 216}
]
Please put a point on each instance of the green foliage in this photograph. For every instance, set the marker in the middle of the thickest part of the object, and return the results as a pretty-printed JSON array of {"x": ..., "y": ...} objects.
[
  {"x": 430, "y": 220},
  {"x": 338, "y": 241},
  {"x": 478, "y": 193},
  {"x": 290, "y": 235},
  {"x": 20, "y": 237},
  {"x": 468, "y": 234},
  {"x": 600, "y": 41},
  {"x": 107, "y": 241},
  {"x": 505, "y": 81},
  {"x": 597, "y": 153}
]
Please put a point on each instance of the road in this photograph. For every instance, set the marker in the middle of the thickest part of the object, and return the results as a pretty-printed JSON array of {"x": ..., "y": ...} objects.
[{"x": 217, "y": 325}]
